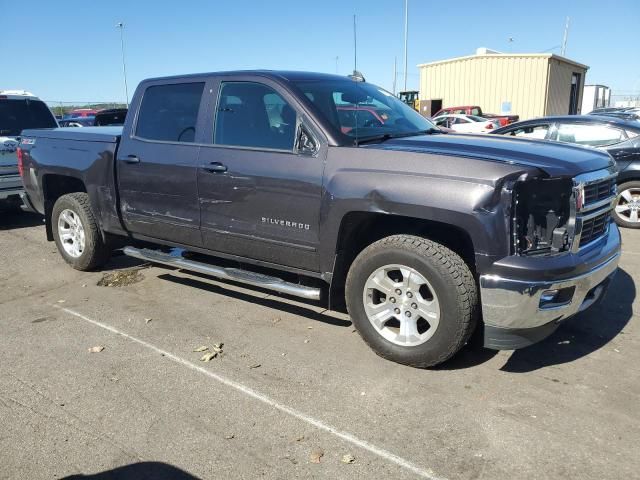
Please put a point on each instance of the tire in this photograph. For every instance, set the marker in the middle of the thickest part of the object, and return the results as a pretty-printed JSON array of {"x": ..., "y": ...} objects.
[
  {"x": 627, "y": 213},
  {"x": 447, "y": 290},
  {"x": 75, "y": 208}
]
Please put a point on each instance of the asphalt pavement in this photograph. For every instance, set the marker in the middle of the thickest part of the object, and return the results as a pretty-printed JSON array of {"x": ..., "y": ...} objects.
[{"x": 102, "y": 381}]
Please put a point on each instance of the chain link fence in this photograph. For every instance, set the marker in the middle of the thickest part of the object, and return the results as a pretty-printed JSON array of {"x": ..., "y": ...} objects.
[{"x": 627, "y": 99}]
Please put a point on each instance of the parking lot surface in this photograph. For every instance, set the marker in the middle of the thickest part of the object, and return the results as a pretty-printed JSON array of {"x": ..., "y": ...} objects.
[{"x": 295, "y": 389}]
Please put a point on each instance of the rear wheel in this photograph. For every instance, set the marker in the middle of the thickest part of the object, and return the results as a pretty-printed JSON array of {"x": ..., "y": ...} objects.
[
  {"x": 412, "y": 300},
  {"x": 627, "y": 210},
  {"x": 77, "y": 234}
]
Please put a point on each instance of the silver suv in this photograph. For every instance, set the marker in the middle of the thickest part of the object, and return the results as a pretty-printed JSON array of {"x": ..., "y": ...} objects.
[{"x": 18, "y": 110}]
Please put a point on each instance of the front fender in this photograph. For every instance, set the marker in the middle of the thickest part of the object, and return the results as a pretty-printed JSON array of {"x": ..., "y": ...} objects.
[{"x": 471, "y": 207}]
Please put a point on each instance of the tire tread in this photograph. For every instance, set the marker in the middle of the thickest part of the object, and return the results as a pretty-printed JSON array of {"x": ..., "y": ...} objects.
[
  {"x": 448, "y": 263},
  {"x": 97, "y": 251}
]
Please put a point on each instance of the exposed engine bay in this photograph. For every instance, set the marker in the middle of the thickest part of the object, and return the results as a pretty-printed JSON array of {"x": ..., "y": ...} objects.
[{"x": 542, "y": 216}]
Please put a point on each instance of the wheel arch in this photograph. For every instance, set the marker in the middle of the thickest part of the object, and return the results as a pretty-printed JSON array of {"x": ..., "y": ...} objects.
[
  {"x": 55, "y": 186},
  {"x": 359, "y": 229}
]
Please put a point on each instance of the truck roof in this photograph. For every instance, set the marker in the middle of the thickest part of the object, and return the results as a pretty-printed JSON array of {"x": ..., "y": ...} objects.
[{"x": 288, "y": 75}]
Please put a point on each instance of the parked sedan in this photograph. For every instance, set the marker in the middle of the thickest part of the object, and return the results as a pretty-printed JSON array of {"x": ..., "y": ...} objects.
[
  {"x": 618, "y": 136},
  {"x": 466, "y": 123},
  {"x": 77, "y": 122},
  {"x": 110, "y": 117}
]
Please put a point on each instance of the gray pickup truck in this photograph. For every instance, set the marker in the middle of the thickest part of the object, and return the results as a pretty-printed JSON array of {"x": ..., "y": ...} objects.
[{"x": 275, "y": 180}]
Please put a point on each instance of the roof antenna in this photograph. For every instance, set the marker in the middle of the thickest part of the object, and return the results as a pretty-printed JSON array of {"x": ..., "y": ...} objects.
[
  {"x": 355, "y": 45},
  {"x": 356, "y": 75}
]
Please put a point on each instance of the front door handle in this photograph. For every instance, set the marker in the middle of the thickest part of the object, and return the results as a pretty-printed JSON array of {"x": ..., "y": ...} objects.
[
  {"x": 215, "y": 167},
  {"x": 132, "y": 159}
]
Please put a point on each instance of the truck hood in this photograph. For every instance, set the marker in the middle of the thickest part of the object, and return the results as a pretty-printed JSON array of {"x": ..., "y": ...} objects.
[
  {"x": 554, "y": 158},
  {"x": 8, "y": 158}
]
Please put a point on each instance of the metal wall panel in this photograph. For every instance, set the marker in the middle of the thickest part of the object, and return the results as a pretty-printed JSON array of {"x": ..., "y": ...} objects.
[
  {"x": 560, "y": 87},
  {"x": 490, "y": 80}
]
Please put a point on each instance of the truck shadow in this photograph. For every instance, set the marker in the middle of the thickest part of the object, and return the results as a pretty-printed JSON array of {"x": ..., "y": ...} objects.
[
  {"x": 577, "y": 337},
  {"x": 11, "y": 219},
  {"x": 138, "y": 471},
  {"x": 583, "y": 334}
]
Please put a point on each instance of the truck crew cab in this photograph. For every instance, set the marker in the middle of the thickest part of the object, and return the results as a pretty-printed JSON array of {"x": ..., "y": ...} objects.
[{"x": 424, "y": 236}]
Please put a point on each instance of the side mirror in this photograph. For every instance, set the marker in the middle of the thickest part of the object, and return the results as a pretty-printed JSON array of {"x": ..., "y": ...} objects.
[{"x": 305, "y": 143}]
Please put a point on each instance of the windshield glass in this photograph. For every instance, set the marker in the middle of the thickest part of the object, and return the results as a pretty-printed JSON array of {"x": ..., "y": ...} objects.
[
  {"x": 476, "y": 119},
  {"x": 17, "y": 115},
  {"x": 360, "y": 110}
]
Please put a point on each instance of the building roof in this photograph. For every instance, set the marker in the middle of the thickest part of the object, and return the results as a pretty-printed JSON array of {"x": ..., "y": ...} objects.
[{"x": 507, "y": 55}]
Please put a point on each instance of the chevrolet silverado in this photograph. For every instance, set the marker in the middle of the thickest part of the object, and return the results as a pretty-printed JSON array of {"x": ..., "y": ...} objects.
[{"x": 424, "y": 237}]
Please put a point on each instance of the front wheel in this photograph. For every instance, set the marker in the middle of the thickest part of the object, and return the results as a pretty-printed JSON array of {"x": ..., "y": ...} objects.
[
  {"x": 412, "y": 300},
  {"x": 627, "y": 210},
  {"x": 77, "y": 234}
]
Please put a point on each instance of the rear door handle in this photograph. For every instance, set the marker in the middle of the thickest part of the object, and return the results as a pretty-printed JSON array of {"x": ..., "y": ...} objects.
[
  {"x": 132, "y": 159},
  {"x": 215, "y": 167}
]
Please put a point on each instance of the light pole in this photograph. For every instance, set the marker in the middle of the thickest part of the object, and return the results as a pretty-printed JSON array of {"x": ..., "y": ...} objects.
[
  {"x": 120, "y": 25},
  {"x": 406, "y": 37}
]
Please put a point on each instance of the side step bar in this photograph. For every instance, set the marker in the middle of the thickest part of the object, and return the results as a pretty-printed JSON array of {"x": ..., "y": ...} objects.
[{"x": 235, "y": 274}]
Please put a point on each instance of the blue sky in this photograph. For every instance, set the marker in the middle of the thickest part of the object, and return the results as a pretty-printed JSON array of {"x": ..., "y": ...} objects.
[{"x": 70, "y": 50}]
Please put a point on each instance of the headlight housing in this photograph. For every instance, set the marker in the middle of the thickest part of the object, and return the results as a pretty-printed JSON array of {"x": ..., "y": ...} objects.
[{"x": 542, "y": 220}]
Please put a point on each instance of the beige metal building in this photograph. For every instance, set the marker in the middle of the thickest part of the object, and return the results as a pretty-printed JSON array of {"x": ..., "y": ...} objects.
[{"x": 525, "y": 84}]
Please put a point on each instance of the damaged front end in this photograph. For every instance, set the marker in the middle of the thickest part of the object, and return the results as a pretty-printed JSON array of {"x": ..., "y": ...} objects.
[{"x": 543, "y": 218}]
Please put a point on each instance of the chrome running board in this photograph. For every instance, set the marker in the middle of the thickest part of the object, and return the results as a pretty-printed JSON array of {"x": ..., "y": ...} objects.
[{"x": 235, "y": 274}]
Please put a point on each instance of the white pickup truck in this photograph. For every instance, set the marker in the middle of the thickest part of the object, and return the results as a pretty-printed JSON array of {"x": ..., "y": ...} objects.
[{"x": 18, "y": 110}]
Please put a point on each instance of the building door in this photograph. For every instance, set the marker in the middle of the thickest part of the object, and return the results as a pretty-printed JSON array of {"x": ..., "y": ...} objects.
[
  {"x": 436, "y": 106},
  {"x": 575, "y": 93}
]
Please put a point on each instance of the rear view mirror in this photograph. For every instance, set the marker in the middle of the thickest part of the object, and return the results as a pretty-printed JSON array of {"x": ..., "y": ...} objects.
[{"x": 354, "y": 96}]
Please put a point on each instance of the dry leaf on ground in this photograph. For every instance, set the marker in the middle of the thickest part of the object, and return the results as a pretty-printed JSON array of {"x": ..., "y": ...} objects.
[
  {"x": 207, "y": 357},
  {"x": 316, "y": 455},
  {"x": 348, "y": 458}
]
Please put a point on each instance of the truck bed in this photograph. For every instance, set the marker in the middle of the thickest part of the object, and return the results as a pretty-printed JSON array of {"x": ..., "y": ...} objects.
[
  {"x": 86, "y": 134},
  {"x": 84, "y": 155}
]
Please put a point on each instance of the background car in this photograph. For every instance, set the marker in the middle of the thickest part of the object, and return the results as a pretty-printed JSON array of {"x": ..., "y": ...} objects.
[
  {"x": 77, "y": 122},
  {"x": 113, "y": 116},
  {"x": 466, "y": 123},
  {"x": 19, "y": 110},
  {"x": 80, "y": 112},
  {"x": 477, "y": 111},
  {"x": 618, "y": 136}
]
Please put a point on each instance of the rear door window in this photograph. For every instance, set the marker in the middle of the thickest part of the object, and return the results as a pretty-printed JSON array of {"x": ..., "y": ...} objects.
[
  {"x": 254, "y": 115},
  {"x": 531, "y": 131},
  {"x": 18, "y": 115},
  {"x": 592, "y": 135},
  {"x": 169, "y": 113}
]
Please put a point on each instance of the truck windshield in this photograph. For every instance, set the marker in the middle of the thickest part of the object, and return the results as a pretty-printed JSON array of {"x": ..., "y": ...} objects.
[
  {"x": 17, "y": 115},
  {"x": 361, "y": 110}
]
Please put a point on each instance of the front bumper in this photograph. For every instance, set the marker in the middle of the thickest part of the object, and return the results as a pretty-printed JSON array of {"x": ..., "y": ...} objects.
[{"x": 518, "y": 312}]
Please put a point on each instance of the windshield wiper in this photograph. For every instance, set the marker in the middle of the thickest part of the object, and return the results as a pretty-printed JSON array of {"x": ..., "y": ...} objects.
[
  {"x": 387, "y": 136},
  {"x": 374, "y": 138}
]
